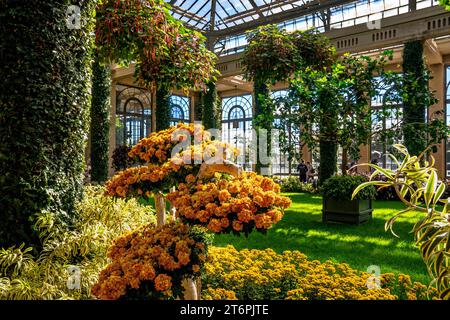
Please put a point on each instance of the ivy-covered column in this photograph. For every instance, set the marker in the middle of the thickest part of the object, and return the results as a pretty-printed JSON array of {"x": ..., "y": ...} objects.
[
  {"x": 162, "y": 111},
  {"x": 415, "y": 104},
  {"x": 263, "y": 119},
  {"x": 100, "y": 107},
  {"x": 328, "y": 128},
  {"x": 44, "y": 103},
  {"x": 210, "y": 113}
]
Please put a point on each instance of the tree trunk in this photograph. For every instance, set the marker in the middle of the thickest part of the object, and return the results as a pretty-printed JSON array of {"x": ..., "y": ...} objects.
[
  {"x": 190, "y": 290},
  {"x": 189, "y": 285},
  {"x": 160, "y": 206},
  {"x": 328, "y": 160}
]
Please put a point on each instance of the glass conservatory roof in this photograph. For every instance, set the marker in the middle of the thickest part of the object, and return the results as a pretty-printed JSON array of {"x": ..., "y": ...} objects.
[
  {"x": 225, "y": 21},
  {"x": 210, "y": 15},
  {"x": 230, "y": 17}
]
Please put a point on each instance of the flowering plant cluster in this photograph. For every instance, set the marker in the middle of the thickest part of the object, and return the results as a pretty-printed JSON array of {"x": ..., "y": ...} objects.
[
  {"x": 163, "y": 49},
  {"x": 265, "y": 274},
  {"x": 150, "y": 263},
  {"x": 157, "y": 147},
  {"x": 164, "y": 167},
  {"x": 227, "y": 204}
]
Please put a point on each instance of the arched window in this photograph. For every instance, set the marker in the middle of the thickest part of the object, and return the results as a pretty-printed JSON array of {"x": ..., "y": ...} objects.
[
  {"x": 281, "y": 164},
  {"x": 388, "y": 100},
  {"x": 179, "y": 109},
  {"x": 237, "y": 114},
  {"x": 133, "y": 110}
]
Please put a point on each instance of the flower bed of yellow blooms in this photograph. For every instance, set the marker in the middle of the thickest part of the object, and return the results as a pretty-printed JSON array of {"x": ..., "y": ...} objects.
[
  {"x": 150, "y": 263},
  {"x": 230, "y": 204},
  {"x": 264, "y": 274}
]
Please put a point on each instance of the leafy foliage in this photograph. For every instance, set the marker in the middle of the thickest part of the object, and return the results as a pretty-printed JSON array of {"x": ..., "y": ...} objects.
[
  {"x": 273, "y": 55},
  {"x": 269, "y": 55},
  {"x": 416, "y": 184},
  {"x": 164, "y": 50},
  {"x": 333, "y": 107},
  {"x": 445, "y": 4},
  {"x": 28, "y": 276},
  {"x": 341, "y": 188},
  {"x": 44, "y": 104},
  {"x": 100, "y": 105},
  {"x": 293, "y": 184}
]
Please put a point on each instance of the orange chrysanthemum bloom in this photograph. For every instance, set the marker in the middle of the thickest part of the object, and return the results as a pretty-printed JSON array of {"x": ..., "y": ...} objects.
[
  {"x": 163, "y": 282},
  {"x": 231, "y": 204},
  {"x": 157, "y": 257}
]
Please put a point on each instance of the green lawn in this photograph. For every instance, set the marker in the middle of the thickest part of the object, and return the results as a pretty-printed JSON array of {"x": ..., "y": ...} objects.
[{"x": 360, "y": 246}]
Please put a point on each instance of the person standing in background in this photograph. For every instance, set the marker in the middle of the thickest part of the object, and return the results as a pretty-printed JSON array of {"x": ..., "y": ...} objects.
[{"x": 302, "y": 170}]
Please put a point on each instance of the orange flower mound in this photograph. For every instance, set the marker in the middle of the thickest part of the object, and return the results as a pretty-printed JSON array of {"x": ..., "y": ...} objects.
[
  {"x": 231, "y": 204},
  {"x": 158, "y": 146},
  {"x": 164, "y": 170},
  {"x": 138, "y": 181},
  {"x": 150, "y": 263}
]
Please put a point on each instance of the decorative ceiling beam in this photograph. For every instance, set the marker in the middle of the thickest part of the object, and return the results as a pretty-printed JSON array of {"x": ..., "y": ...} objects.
[
  {"x": 197, "y": 14},
  {"x": 188, "y": 15},
  {"x": 212, "y": 20},
  {"x": 254, "y": 5},
  {"x": 262, "y": 8}
]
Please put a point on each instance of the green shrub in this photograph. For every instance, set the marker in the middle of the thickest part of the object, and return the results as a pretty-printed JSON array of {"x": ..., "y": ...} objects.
[
  {"x": 44, "y": 276},
  {"x": 293, "y": 184},
  {"x": 341, "y": 188}
]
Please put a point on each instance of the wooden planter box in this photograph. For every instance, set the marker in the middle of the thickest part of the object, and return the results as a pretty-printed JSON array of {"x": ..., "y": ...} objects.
[{"x": 346, "y": 211}]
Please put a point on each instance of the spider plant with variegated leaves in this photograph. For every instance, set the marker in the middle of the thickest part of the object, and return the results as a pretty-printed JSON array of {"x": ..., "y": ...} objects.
[{"x": 416, "y": 184}]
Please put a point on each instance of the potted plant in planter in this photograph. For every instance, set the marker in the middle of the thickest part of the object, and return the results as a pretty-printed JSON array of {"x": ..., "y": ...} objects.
[{"x": 338, "y": 205}]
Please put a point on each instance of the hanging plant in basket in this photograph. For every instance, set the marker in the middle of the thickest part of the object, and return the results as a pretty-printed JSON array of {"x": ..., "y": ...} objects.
[{"x": 163, "y": 49}]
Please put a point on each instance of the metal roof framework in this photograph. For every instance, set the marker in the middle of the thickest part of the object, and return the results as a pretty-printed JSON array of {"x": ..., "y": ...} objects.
[
  {"x": 230, "y": 19},
  {"x": 217, "y": 18}
]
